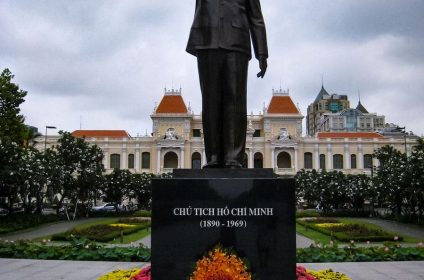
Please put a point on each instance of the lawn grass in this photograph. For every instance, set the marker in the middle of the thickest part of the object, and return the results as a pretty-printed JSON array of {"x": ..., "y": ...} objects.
[
  {"x": 104, "y": 221},
  {"x": 133, "y": 236},
  {"x": 406, "y": 239},
  {"x": 325, "y": 239},
  {"x": 316, "y": 236}
]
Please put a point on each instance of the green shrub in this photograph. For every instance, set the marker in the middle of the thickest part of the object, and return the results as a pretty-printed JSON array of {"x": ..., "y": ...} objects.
[
  {"x": 359, "y": 254},
  {"x": 307, "y": 213},
  {"x": 349, "y": 213},
  {"x": 142, "y": 213},
  {"x": 81, "y": 250},
  {"x": 21, "y": 221},
  {"x": 135, "y": 220}
]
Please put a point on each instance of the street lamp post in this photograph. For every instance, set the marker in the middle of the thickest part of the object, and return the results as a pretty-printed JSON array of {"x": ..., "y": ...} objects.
[{"x": 45, "y": 136}]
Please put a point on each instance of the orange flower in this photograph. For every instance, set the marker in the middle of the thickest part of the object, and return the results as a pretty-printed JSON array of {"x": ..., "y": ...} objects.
[{"x": 219, "y": 265}]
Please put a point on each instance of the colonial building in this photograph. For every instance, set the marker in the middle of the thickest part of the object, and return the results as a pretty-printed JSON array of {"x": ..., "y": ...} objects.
[{"x": 274, "y": 140}]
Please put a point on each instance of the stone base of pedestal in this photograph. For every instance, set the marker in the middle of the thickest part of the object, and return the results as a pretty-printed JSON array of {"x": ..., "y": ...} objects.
[{"x": 255, "y": 217}]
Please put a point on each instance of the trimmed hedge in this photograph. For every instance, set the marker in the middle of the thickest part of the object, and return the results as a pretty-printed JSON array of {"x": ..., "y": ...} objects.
[
  {"x": 78, "y": 250},
  {"x": 21, "y": 221},
  {"x": 359, "y": 254},
  {"x": 307, "y": 214},
  {"x": 85, "y": 250}
]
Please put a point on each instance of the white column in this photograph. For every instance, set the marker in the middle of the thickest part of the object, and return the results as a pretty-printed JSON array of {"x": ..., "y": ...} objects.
[
  {"x": 347, "y": 157},
  {"x": 137, "y": 158},
  {"x": 106, "y": 159},
  {"x": 329, "y": 157},
  {"x": 360, "y": 159},
  {"x": 316, "y": 157},
  {"x": 296, "y": 160},
  {"x": 124, "y": 159},
  {"x": 158, "y": 161},
  {"x": 273, "y": 158},
  {"x": 204, "y": 161},
  {"x": 250, "y": 165},
  {"x": 182, "y": 157}
]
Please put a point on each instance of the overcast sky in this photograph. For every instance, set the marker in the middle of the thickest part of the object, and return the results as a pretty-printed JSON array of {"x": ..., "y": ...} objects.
[{"x": 107, "y": 62}]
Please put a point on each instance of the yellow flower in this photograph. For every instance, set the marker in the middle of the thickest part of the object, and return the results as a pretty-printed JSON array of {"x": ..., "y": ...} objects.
[
  {"x": 120, "y": 274},
  {"x": 122, "y": 225},
  {"x": 329, "y": 225},
  {"x": 328, "y": 274}
]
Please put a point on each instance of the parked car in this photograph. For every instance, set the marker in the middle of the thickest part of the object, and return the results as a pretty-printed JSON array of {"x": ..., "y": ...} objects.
[
  {"x": 108, "y": 207},
  {"x": 3, "y": 212}
]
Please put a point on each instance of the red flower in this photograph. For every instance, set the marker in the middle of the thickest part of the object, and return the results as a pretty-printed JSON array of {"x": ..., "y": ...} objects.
[
  {"x": 144, "y": 274},
  {"x": 301, "y": 274}
]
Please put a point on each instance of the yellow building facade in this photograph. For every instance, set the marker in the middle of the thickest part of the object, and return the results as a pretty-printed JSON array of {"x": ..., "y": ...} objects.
[{"x": 274, "y": 140}]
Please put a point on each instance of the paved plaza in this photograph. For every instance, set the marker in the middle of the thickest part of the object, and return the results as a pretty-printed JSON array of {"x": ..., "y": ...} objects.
[
  {"x": 85, "y": 270},
  {"x": 12, "y": 269}
]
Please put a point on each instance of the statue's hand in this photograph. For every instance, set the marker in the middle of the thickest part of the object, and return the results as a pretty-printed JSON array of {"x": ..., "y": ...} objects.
[{"x": 262, "y": 65}]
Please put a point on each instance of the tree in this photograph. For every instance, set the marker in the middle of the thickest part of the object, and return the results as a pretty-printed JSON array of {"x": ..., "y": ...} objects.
[
  {"x": 117, "y": 186},
  {"x": 10, "y": 178},
  {"x": 415, "y": 192},
  {"x": 141, "y": 189},
  {"x": 75, "y": 170},
  {"x": 359, "y": 189},
  {"x": 391, "y": 178},
  {"x": 12, "y": 127}
]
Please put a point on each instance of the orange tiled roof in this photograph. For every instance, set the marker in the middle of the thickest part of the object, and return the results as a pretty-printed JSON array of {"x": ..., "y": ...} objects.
[
  {"x": 349, "y": 135},
  {"x": 172, "y": 104},
  {"x": 100, "y": 133},
  {"x": 282, "y": 105}
]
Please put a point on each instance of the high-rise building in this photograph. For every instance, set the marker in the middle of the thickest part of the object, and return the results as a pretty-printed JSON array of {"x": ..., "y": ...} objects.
[
  {"x": 324, "y": 103},
  {"x": 351, "y": 120}
]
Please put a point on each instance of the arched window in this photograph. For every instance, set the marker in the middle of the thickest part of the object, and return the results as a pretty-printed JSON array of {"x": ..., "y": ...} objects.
[
  {"x": 196, "y": 161},
  {"x": 170, "y": 160},
  {"x": 322, "y": 161},
  {"x": 131, "y": 161},
  {"x": 258, "y": 160},
  {"x": 353, "y": 161},
  {"x": 284, "y": 160},
  {"x": 145, "y": 160},
  {"x": 338, "y": 161},
  {"x": 307, "y": 160},
  {"x": 245, "y": 161},
  {"x": 368, "y": 161},
  {"x": 115, "y": 161}
]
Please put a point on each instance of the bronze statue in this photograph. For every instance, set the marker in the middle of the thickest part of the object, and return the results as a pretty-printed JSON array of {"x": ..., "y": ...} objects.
[{"x": 220, "y": 37}]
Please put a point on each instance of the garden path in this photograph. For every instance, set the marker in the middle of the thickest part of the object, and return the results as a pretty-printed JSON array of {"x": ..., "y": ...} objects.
[
  {"x": 301, "y": 241},
  {"x": 45, "y": 230},
  {"x": 401, "y": 228}
]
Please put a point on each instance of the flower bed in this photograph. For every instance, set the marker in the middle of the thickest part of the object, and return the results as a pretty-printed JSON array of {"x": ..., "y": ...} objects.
[
  {"x": 82, "y": 250},
  {"x": 301, "y": 274},
  {"x": 85, "y": 250},
  {"x": 102, "y": 232},
  {"x": 347, "y": 231}
]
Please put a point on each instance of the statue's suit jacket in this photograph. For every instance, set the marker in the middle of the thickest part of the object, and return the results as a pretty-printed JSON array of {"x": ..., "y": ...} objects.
[{"x": 228, "y": 24}]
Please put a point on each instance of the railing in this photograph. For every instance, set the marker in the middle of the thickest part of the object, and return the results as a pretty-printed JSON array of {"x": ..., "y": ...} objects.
[
  {"x": 284, "y": 171},
  {"x": 167, "y": 170}
]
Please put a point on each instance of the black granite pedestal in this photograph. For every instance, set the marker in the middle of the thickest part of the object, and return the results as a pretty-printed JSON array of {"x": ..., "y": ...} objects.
[{"x": 247, "y": 210}]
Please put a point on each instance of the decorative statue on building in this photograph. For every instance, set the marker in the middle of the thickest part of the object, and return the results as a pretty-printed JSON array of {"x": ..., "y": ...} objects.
[{"x": 220, "y": 37}]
